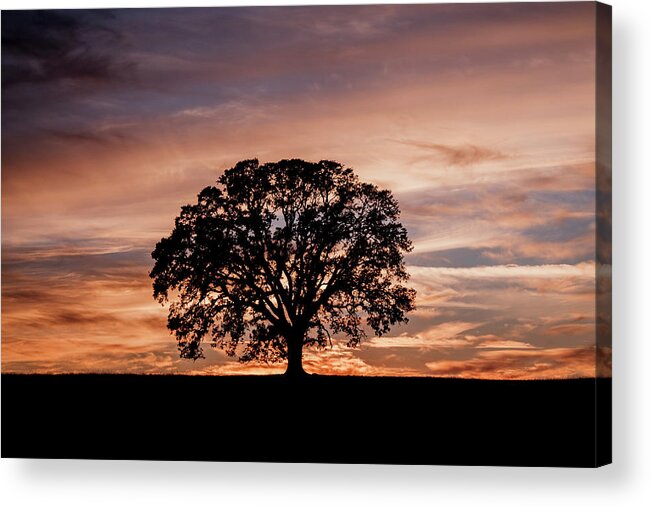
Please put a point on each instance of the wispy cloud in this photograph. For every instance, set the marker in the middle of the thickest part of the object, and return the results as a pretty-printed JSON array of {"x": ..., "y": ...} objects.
[
  {"x": 88, "y": 136},
  {"x": 582, "y": 271},
  {"x": 459, "y": 155},
  {"x": 521, "y": 364}
]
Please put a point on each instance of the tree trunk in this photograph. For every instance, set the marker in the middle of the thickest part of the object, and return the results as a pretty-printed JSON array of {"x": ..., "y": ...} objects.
[{"x": 295, "y": 357}]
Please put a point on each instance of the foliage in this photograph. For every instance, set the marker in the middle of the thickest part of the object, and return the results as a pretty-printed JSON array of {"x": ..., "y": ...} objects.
[{"x": 283, "y": 255}]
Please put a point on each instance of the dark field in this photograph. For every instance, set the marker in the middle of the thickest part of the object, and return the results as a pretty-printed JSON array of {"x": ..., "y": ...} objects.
[{"x": 319, "y": 419}]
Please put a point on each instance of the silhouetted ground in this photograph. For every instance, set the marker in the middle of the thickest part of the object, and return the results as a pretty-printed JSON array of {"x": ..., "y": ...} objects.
[{"x": 320, "y": 419}]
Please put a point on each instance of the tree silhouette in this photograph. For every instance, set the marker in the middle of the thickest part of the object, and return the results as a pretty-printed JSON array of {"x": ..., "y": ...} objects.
[{"x": 281, "y": 256}]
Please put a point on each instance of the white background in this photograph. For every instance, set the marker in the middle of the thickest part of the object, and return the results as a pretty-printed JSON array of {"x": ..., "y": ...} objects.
[{"x": 626, "y": 482}]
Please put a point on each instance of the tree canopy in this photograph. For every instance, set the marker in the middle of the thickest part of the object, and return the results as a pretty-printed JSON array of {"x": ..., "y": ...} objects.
[{"x": 281, "y": 256}]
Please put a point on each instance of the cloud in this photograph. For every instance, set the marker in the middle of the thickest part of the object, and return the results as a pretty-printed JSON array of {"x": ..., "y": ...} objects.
[
  {"x": 233, "y": 112},
  {"x": 341, "y": 360},
  {"x": 582, "y": 271},
  {"x": 53, "y": 46},
  {"x": 83, "y": 357},
  {"x": 521, "y": 364},
  {"x": 446, "y": 334},
  {"x": 91, "y": 136},
  {"x": 501, "y": 217},
  {"x": 459, "y": 155},
  {"x": 504, "y": 344}
]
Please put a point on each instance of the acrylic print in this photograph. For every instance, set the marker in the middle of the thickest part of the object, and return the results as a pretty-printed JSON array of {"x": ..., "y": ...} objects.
[{"x": 347, "y": 234}]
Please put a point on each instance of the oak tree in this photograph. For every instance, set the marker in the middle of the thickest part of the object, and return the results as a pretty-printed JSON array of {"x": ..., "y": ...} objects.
[{"x": 281, "y": 256}]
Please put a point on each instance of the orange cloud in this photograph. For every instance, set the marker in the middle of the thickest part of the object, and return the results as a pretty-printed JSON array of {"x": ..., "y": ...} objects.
[
  {"x": 460, "y": 155},
  {"x": 521, "y": 364}
]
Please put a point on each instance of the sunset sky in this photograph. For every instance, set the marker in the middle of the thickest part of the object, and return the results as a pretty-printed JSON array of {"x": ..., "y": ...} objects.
[{"x": 480, "y": 119}]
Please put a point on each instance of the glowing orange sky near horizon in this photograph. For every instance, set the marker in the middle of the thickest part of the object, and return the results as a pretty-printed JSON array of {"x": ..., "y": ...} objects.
[{"x": 480, "y": 119}]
